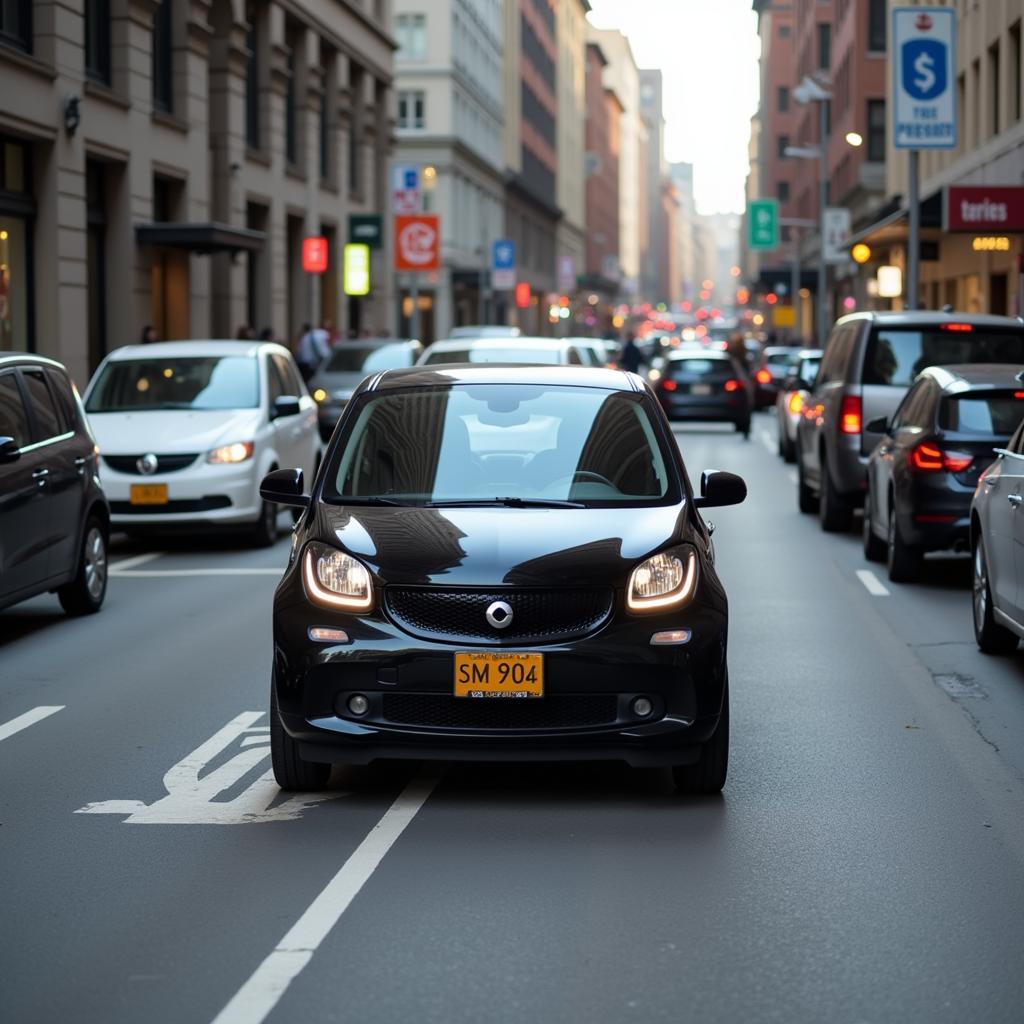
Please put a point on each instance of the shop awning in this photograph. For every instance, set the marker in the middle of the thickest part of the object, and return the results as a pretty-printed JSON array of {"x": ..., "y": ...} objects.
[
  {"x": 200, "y": 238},
  {"x": 892, "y": 222}
]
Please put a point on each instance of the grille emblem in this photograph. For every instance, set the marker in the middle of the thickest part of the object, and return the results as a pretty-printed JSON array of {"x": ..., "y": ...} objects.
[
  {"x": 499, "y": 614},
  {"x": 147, "y": 465}
]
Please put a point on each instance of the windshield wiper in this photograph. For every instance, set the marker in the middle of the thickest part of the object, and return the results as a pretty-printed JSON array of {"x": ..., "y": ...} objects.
[
  {"x": 373, "y": 500},
  {"x": 508, "y": 502}
]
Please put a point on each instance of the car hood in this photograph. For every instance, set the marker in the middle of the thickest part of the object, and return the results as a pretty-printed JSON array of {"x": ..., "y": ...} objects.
[
  {"x": 172, "y": 430},
  {"x": 489, "y": 547}
]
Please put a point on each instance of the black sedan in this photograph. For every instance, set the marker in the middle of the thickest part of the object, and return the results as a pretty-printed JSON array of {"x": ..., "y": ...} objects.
[
  {"x": 501, "y": 563},
  {"x": 923, "y": 473},
  {"x": 702, "y": 384}
]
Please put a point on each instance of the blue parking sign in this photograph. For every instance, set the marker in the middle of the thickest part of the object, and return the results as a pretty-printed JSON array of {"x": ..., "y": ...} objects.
[
  {"x": 924, "y": 112},
  {"x": 924, "y": 68},
  {"x": 503, "y": 256}
]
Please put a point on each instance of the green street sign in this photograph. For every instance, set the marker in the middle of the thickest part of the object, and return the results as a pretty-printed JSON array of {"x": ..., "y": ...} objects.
[
  {"x": 763, "y": 224},
  {"x": 365, "y": 229}
]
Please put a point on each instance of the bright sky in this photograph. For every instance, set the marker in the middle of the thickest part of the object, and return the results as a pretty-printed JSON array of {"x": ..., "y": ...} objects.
[{"x": 708, "y": 52}]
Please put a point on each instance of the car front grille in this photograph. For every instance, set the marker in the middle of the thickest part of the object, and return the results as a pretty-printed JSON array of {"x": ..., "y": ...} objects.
[
  {"x": 458, "y": 615},
  {"x": 207, "y": 504},
  {"x": 439, "y": 711},
  {"x": 164, "y": 463}
]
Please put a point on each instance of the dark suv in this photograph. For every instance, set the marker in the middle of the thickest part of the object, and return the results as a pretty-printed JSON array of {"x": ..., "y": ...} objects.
[
  {"x": 54, "y": 519},
  {"x": 870, "y": 360}
]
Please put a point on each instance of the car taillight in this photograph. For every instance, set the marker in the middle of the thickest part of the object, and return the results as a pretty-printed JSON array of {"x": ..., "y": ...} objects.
[
  {"x": 732, "y": 385},
  {"x": 960, "y": 328},
  {"x": 850, "y": 415},
  {"x": 929, "y": 458},
  {"x": 796, "y": 402},
  {"x": 668, "y": 385},
  {"x": 763, "y": 377}
]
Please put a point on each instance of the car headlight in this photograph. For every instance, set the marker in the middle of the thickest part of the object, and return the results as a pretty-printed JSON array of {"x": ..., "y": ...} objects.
[
  {"x": 336, "y": 580},
  {"x": 320, "y": 395},
  {"x": 663, "y": 580},
  {"x": 231, "y": 453}
]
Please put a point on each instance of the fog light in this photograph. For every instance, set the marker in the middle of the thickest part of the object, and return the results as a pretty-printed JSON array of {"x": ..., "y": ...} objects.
[
  {"x": 358, "y": 704},
  {"x": 667, "y": 637},
  {"x": 642, "y": 707},
  {"x": 326, "y": 635}
]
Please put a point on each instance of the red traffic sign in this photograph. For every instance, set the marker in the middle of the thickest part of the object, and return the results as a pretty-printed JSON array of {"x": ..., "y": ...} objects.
[
  {"x": 418, "y": 242},
  {"x": 314, "y": 255},
  {"x": 523, "y": 294}
]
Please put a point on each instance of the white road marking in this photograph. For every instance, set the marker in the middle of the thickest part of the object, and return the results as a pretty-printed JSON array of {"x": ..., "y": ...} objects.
[
  {"x": 872, "y": 582},
  {"x": 192, "y": 789},
  {"x": 794, "y": 476},
  {"x": 150, "y": 574},
  {"x": 767, "y": 440},
  {"x": 130, "y": 563},
  {"x": 255, "y": 1000},
  {"x": 8, "y": 729}
]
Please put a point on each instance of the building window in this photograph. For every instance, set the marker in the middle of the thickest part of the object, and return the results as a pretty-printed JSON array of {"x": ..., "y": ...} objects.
[
  {"x": 1015, "y": 72},
  {"x": 877, "y": 21},
  {"x": 824, "y": 46},
  {"x": 876, "y": 130},
  {"x": 291, "y": 121},
  {"x": 412, "y": 109},
  {"x": 782, "y": 191},
  {"x": 16, "y": 24},
  {"x": 97, "y": 40},
  {"x": 784, "y": 32},
  {"x": 16, "y": 212},
  {"x": 355, "y": 142},
  {"x": 994, "y": 87},
  {"x": 96, "y": 259},
  {"x": 783, "y": 103},
  {"x": 163, "y": 61},
  {"x": 252, "y": 82},
  {"x": 783, "y": 141},
  {"x": 411, "y": 36},
  {"x": 328, "y": 61}
]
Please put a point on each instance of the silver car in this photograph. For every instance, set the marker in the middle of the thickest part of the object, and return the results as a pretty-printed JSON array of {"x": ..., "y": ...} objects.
[{"x": 997, "y": 547}]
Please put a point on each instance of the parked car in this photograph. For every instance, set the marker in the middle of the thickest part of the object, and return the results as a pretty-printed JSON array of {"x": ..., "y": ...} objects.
[
  {"x": 54, "y": 518},
  {"x": 460, "y": 587},
  {"x": 792, "y": 397},
  {"x": 347, "y": 364},
  {"x": 593, "y": 351},
  {"x": 922, "y": 474},
  {"x": 870, "y": 360},
  {"x": 997, "y": 550},
  {"x": 484, "y": 331},
  {"x": 189, "y": 428},
  {"x": 547, "y": 351},
  {"x": 774, "y": 366},
  {"x": 703, "y": 384}
]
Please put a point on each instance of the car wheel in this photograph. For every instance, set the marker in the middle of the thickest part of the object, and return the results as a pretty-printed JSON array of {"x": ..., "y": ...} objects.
[
  {"x": 805, "y": 496},
  {"x": 264, "y": 532},
  {"x": 991, "y": 637},
  {"x": 84, "y": 594},
  {"x": 874, "y": 546},
  {"x": 743, "y": 428},
  {"x": 707, "y": 775},
  {"x": 835, "y": 514},
  {"x": 290, "y": 771},
  {"x": 904, "y": 560}
]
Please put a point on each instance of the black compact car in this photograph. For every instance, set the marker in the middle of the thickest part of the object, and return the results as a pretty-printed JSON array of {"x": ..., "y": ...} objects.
[
  {"x": 501, "y": 563},
  {"x": 923, "y": 473},
  {"x": 54, "y": 518},
  {"x": 703, "y": 384},
  {"x": 776, "y": 364}
]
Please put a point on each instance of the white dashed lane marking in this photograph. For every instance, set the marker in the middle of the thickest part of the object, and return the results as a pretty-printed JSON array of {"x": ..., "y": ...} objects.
[
  {"x": 8, "y": 729},
  {"x": 116, "y": 568},
  {"x": 872, "y": 583}
]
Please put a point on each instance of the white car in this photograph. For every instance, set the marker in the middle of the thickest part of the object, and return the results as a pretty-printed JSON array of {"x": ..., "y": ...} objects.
[
  {"x": 188, "y": 429},
  {"x": 531, "y": 351}
]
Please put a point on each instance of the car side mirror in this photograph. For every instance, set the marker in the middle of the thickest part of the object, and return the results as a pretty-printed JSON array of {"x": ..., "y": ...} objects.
[
  {"x": 718, "y": 488},
  {"x": 879, "y": 425},
  {"x": 9, "y": 450},
  {"x": 285, "y": 487},
  {"x": 285, "y": 405}
]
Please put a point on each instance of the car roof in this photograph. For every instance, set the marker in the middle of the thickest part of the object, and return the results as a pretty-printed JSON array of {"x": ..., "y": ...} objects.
[
  {"x": 697, "y": 353},
  {"x": 373, "y": 342},
  {"x": 810, "y": 353},
  {"x": 971, "y": 376},
  {"x": 772, "y": 350},
  {"x": 198, "y": 347},
  {"x": 931, "y": 318},
  {"x": 29, "y": 358},
  {"x": 507, "y": 341},
  {"x": 504, "y": 373}
]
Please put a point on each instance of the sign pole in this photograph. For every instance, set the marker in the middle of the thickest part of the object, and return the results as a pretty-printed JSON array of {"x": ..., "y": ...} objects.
[
  {"x": 914, "y": 231},
  {"x": 823, "y": 325},
  {"x": 414, "y": 319},
  {"x": 794, "y": 282}
]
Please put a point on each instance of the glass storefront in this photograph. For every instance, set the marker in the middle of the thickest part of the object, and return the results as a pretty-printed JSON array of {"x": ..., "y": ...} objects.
[{"x": 15, "y": 250}]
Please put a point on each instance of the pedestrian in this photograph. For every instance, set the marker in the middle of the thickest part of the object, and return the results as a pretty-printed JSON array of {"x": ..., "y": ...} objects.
[
  {"x": 313, "y": 350},
  {"x": 630, "y": 357},
  {"x": 148, "y": 335},
  {"x": 268, "y": 334},
  {"x": 245, "y": 333}
]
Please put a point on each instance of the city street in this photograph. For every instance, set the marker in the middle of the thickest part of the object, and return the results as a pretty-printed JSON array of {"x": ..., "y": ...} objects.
[{"x": 864, "y": 863}]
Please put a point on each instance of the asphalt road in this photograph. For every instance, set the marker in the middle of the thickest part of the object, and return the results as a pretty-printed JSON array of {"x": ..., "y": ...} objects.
[{"x": 865, "y": 863}]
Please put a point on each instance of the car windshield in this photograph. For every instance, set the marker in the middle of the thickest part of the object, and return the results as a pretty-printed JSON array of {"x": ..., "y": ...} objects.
[
  {"x": 181, "y": 382},
  {"x": 896, "y": 356},
  {"x": 995, "y": 414},
  {"x": 502, "y": 442},
  {"x": 349, "y": 358},
  {"x": 808, "y": 368},
  {"x": 493, "y": 354},
  {"x": 698, "y": 368}
]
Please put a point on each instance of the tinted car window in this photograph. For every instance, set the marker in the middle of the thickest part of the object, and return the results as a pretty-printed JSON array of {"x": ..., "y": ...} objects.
[
  {"x": 66, "y": 404},
  {"x": 487, "y": 441},
  {"x": 808, "y": 369},
  {"x": 289, "y": 380},
  {"x": 916, "y": 408},
  {"x": 987, "y": 414},
  {"x": 44, "y": 410},
  {"x": 896, "y": 356},
  {"x": 191, "y": 382},
  {"x": 13, "y": 417},
  {"x": 837, "y": 351},
  {"x": 349, "y": 358},
  {"x": 698, "y": 368}
]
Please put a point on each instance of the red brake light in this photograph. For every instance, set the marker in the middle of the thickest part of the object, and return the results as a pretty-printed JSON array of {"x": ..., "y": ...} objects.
[
  {"x": 763, "y": 377},
  {"x": 966, "y": 328},
  {"x": 796, "y": 402},
  {"x": 732, "y": 385},
  {"x": 668, "y": 385},
  {"x": 1018, "y": 394},
  {"x": 956, "y": 462},
  {"x": 850, "y": 415},
  {"x": 928, "y": 458}
]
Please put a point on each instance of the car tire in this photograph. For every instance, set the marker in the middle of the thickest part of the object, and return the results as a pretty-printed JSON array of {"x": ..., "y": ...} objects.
[
  {"x": 805, "y": 496},
  {"x": 903, "y": 559},
  {"x": 744, "y": 429},
  {"x": 264, "y": 531},
  {"x": 991, "y": 637},
  {"x": 291, "y": 772},
  {"x": 707, "y": 775},
  {"x": 874, "y": 547},
  {"x": 835, "y": 514},
  {"x": 84, "y": 594}
]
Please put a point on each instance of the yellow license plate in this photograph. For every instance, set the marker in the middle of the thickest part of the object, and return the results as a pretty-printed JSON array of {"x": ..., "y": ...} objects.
[
  {"x": 499, "y": 675},
  {"x": 149, "y": 494}
]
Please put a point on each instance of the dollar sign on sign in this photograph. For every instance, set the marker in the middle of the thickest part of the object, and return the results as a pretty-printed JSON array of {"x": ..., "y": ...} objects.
[{"x": 923, "y": 66}]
